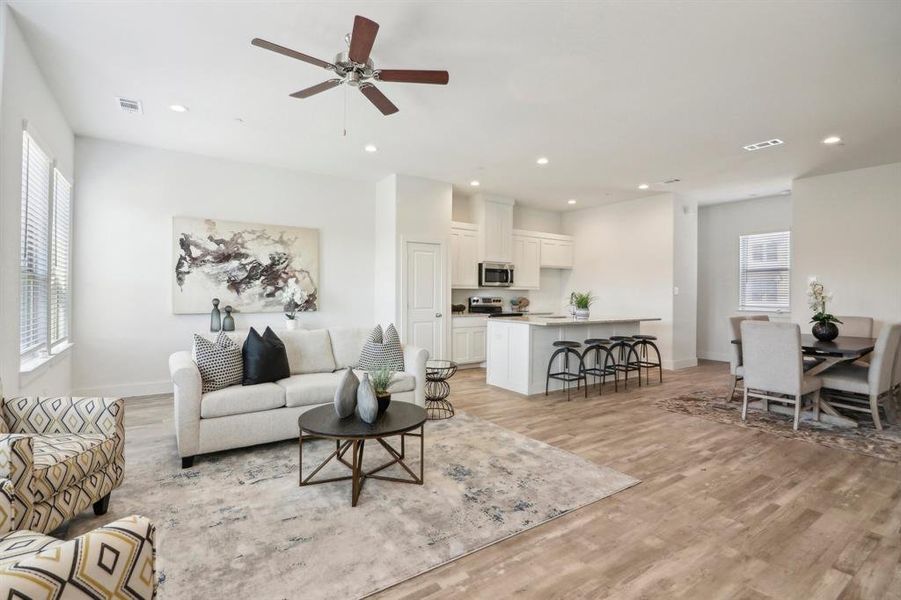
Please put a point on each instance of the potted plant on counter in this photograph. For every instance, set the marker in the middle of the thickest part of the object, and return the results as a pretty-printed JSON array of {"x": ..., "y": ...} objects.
[
  {"x": 824, "y": 328},
  {"x": 582, "y": 302},
  {"x": 381, "y": 379}
]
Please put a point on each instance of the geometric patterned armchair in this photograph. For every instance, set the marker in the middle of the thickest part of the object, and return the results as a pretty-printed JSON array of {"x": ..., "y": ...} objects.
[
  {"x": 114, "y": 561},
  {"x": 60, "y": 455}
]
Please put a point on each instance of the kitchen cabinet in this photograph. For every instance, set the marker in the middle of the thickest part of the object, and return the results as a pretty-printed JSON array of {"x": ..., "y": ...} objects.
[
  {"x": 556, "y": 253},
  {"x": 526, "y": 262},
  {"x": 468, "y": 340},
  {"x": 464, "y": 255},
  {"x": 494, "y": 216}
]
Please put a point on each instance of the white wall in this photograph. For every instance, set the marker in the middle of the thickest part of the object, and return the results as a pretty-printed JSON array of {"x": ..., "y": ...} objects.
[
  {"x": 123, "y": 261},
  {"x": 624, "y": 254},
  {"x": 846, "y": 230},
  {"x": 25, "y": 95},
  {"x": 534, "y": 219},
  {"x": 720, "y": 226},
  {"x": 685, "y": 280}
]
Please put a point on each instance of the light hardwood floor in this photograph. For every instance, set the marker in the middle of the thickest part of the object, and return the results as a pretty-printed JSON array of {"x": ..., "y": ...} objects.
[{"x": 722, "y": 511}]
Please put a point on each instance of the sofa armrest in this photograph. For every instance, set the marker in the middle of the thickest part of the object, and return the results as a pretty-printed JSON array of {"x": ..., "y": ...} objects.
[
  {"x": 414, "y": 364},
  {"x": 82, "y": 564},
  {"x": 17, "y": 468},
  {"x": 187, "y": 388}
]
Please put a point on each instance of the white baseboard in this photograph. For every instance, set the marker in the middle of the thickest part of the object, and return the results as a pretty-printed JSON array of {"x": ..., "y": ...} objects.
[
  {"x": 126, "y": 390},
  {"x": 724, "y": 357},
  {"x": 675, "y": 365}
]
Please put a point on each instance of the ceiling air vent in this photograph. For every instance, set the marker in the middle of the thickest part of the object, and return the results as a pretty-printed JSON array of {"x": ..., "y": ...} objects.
[
  {"x": 130, "y": 106},
  {"x": 762, "y": 145}
]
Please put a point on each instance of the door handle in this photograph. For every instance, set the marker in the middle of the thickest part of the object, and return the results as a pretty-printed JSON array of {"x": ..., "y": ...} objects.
[{"x": 437, "y": 315}]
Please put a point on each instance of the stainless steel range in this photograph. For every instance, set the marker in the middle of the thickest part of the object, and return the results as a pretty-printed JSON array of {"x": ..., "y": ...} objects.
[{"x": 493, "y": 306}]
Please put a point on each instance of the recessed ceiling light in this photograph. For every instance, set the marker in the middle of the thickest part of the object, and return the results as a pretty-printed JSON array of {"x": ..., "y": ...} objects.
[
  {"x": 178, "y": 108},
  {"x": 474, "y": 183},
  {"x": 832, "y": 139},
  {"x": 370, "y": 148},
  {"x": 643, "y": 186},
  {"x": 542, "y": 160},
  {"x": 571, "y": 201}
]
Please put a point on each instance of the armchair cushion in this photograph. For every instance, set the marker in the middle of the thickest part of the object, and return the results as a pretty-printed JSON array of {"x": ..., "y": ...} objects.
[
  {"x": 17, "y": 544},
  {"x": 63, "y": 460}
]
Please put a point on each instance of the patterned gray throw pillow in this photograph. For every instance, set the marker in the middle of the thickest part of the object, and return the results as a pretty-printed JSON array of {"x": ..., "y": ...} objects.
[
  {"x": 382, "y": 352},
  {"x": 219, "y": 362}
]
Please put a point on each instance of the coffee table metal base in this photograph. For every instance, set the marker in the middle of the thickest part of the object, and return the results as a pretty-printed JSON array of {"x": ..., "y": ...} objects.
[{"x": 358, "y": 476}]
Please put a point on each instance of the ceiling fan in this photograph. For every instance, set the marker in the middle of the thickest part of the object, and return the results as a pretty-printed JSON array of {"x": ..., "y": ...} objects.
[{"x": 355, "y": 67}]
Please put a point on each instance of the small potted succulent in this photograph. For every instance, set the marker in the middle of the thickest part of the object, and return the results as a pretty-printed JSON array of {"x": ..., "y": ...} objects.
[
  {"x": 581, "y": 302},
  {"x": 381, "y": 379},
  {"x": 824, "y": 328}
]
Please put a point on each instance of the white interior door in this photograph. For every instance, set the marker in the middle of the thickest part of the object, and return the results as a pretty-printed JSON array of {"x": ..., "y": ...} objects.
[{"x": 425, "y": 297}]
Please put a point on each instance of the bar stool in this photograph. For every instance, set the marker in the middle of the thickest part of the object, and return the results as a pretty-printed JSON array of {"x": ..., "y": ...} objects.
[
  {"x": 600, "y": 348},
  {"x": 641, "y": 345},
  {"x": 625, "y": 357},
  {"x": 567, "y": 376}
]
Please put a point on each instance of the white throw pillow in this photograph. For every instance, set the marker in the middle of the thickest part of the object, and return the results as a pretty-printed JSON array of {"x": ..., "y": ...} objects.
[{"x": 309, "y": 351}]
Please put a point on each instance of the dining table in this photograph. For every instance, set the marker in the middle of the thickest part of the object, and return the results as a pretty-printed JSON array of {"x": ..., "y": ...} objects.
[{"x": 828, "y": 354}]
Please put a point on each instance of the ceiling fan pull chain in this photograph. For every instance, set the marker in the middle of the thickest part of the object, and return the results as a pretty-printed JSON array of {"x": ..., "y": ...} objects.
[{"x": 344, "y": 128}]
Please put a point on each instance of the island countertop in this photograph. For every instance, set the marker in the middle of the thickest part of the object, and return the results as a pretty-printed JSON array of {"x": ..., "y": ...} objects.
[{"x": 566, "y": 320}]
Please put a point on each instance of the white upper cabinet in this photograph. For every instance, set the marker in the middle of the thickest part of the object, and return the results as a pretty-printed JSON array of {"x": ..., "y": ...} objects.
[
  {"x": 494, "y": 216},
  {"x": 556, "y": 253},
  {"x": 464, "y": 255},
  {"x": 526, "y": 262}
]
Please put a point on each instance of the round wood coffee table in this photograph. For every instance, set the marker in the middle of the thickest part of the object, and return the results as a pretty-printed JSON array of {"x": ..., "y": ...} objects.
[{"x": 400, "y": 419}]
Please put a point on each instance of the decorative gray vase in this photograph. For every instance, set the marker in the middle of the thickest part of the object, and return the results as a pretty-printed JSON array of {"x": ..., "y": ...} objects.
[
  {"x": 215, "y": 317},
  {"x": 367, "y": 403},
  {"x": 228, "y": 323},
  {"x": 346, "y": 394}
]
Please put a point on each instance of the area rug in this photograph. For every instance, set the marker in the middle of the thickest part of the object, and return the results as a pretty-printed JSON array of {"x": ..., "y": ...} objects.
[
  {"x": 237, "y": 525},
  {"x": 865, "y": 439}
]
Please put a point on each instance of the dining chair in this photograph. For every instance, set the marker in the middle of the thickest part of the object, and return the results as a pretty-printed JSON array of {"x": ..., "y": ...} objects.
[
  {"x": 735, "y": 359},
  {"x": 774, "y": 367},
  {"x": 856, "y": 327},
  {"x": 863, "y": 388}
]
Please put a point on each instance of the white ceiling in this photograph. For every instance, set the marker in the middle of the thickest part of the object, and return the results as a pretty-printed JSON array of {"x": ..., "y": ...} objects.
[{"x": 615, "y": 94}]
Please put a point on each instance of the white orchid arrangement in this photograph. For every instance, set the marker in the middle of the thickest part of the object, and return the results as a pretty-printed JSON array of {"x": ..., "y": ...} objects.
[
  {"x": 817, "y": 297},
  {"x": 293, "y": 296}
]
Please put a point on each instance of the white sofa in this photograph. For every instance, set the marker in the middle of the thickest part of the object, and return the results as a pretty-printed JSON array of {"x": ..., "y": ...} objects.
[{"x": 239, "y": 416}]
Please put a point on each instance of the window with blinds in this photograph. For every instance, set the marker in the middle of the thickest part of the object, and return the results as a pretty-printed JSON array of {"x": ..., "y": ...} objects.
[
  {"x": 44, "y": 280},
  {"x": 764, "y": 267}
]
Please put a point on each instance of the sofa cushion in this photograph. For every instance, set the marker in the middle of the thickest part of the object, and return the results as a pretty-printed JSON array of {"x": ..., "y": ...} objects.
[
  {"x": 309, "y": 389},
  {"x": 63, "y": 459},
  {"x": 241, "y": 399},
  {"x": 309, "y": 351},
  {"x": 265, "y": 358},
  {"x": 400, "y": 381},
  {"x": 347, "y": 344},
  {"x": 382, "y": 351},
  {"x": 18, "y": 544}
]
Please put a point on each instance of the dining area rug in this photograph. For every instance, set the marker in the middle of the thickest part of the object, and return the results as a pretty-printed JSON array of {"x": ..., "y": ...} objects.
[
  {"x": 237, "y": 525},
  {"x": 864, "y": 439}
]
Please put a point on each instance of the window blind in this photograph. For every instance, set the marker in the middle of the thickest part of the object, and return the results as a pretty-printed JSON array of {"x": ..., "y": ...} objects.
[
  {"x": 764, "y": 268},
  {"x": 34, "y": 253},
  {"x": 59, "y": 264}
]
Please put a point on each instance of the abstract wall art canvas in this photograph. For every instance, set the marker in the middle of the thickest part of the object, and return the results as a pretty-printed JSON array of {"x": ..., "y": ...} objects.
[{"x": 252, "y": 267}]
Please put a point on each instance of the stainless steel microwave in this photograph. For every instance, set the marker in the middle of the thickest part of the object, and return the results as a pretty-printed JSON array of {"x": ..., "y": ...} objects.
[{"x": 492, "y": 274}]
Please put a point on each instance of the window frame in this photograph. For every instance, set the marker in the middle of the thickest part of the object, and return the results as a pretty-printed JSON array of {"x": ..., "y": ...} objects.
[
  {"x": 48, "y": 348},
  {"x": 743, "y": 269}
]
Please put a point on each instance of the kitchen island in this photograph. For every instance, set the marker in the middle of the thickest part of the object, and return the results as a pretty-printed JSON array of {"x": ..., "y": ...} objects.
[{"x": 519, "y": 347}]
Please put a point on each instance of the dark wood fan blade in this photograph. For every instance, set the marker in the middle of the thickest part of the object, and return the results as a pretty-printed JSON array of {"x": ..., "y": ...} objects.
[
  {"x": 361, "y": 39},
  {"x": 310, "y": 91},
  {"x": 292, "y": 53},
  {"x": 378, "y": 98},
  {"x": 413, "y": 76}
]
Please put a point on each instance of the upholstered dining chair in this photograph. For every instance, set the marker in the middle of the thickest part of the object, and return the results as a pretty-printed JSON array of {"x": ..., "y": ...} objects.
[
  {"x": 774, "y": 367},
  {"x": 863, "y": 388},
  {"x": 735, "y": 359},
  {"x": 856, "y": 326}
]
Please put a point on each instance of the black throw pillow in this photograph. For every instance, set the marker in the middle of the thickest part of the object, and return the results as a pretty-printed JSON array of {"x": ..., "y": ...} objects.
[{"x": 265, "y": 358}]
